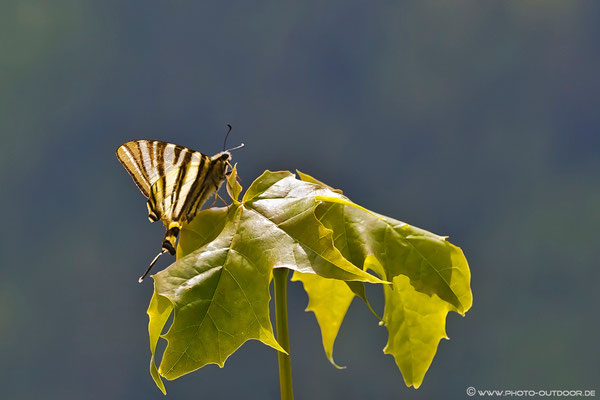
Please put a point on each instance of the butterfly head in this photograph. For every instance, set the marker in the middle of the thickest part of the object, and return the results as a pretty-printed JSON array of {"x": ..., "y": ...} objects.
[
  {"x": 221, "y": 162},
  {"x": 223, "y": 156}
]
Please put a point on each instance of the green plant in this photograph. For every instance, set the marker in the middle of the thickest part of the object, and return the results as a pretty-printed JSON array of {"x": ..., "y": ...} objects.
[{"x": 218, "y": 289}]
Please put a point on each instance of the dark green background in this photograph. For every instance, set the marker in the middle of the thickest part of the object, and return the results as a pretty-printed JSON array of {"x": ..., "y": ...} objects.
[{"x": 477, "y": 119}]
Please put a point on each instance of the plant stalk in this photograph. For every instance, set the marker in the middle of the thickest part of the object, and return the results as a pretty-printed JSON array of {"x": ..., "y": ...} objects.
[{"x": 285, "y": 366}]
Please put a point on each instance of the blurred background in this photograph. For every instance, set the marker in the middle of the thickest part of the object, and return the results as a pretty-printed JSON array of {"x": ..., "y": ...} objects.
[{"x": 478, "y": 120}]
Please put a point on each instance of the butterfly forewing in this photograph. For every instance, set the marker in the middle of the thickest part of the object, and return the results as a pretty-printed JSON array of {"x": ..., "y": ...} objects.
[{"x": 148, "y": 160}]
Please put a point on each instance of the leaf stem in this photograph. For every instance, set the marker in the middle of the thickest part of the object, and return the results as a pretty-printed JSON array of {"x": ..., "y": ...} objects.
[{"x": 285, "y": 366}]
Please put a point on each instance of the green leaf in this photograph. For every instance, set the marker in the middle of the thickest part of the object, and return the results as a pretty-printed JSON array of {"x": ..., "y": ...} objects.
[
  {"x": 158, "y": 311},
  {"x": 429, "y": 277},
  {"x": 308, "y": 178},
  {"x": 233, "y": 186},
  {"x": 220, "y": 297},
  {"x": 415, "y": 322},
  {"x": 218, "y": 289},
  {"x": 329, "y": 299},
  {"x": 205, "y": 228},
  {"x": 433, "y": 264},
  {"x": 280, "y": 211}
]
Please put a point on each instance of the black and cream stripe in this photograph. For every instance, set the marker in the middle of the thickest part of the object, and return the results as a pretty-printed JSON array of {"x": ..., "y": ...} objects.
[{"x": 176, "y": 180}]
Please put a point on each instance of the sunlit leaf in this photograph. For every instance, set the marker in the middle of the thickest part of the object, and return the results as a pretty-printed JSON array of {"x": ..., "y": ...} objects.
[
  {"x": 218, "y": 289},
  {"x": 430, "y": 277},
  {"x": 329, "y": 299},
  {"x": 415, "y": 322},
  {"x": 158, "y": 311},
  {"x": 234, "y": 188}
]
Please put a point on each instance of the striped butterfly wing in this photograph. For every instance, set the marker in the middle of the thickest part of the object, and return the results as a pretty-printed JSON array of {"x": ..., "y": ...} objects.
[
  {"x": 165, "y": 173},
  {"x": 147, "y": 160},
  {"x": 182, "y": 191}
]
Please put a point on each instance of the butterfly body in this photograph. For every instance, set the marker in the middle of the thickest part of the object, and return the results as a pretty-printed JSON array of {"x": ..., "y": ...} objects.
[{"x": 176, "y": 180}]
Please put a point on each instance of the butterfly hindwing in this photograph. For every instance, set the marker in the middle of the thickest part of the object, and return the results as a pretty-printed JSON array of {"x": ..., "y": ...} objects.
[{"x": 172, "y": 195}]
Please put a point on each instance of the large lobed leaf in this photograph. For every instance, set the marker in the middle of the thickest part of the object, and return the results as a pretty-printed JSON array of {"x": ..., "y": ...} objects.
[
  {"x": 218, "y": 289},
  {"x": 429, "y": 276}
]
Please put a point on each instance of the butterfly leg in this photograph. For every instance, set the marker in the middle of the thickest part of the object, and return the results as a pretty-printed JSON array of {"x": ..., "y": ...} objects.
[
  {"x": 220, "y": 198},
  {"x": 214, "y": 201}
]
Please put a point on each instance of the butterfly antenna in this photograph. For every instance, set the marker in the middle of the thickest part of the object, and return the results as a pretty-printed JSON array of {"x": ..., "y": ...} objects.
[
  {"x": 236, "y": 147},
  {"x": 226, "y": 135},
  {"x": 151, "y": 265}
]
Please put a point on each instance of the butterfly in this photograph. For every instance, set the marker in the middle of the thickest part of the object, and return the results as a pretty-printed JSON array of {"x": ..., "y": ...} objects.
[{"x": 176, "y": 181}]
